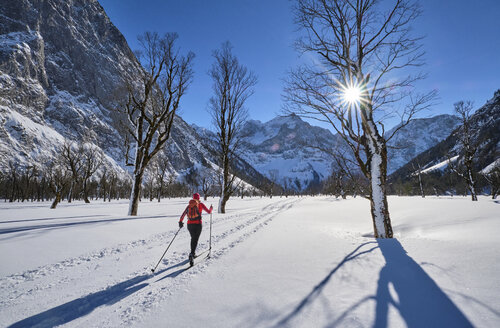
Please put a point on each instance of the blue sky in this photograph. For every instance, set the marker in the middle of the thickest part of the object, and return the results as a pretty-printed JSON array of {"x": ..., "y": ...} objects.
[{"x": 462, "y": 44}]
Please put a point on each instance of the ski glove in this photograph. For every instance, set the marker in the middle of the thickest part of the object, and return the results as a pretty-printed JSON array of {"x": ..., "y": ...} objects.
[{"x": 181, "y": 224}]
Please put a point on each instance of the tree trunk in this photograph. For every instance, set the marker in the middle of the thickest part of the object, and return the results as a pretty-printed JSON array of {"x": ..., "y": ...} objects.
[
  {"x": 223, "y": 198},
  {"x": 378, "y": 193},
  {"x": 13, "y": 190},
  {"x": 420, "y": 184},
  {"x": 225, "y": 188},
  {"x": 85, "y": 193},
  {"x": 56, "y": 200},
  {"x": 70, "y": 194},
  {"x": 135, "y": 195},
  {"x": 222, "y": 203},
  {"x": 471, "y": 183}
]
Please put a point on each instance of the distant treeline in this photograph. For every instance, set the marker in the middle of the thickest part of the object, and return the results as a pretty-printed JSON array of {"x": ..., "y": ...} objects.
[
  {"x": 445, "y": 182},
  {"x": 32, "y": 184},
  {"x": 437, "y": 183},
  {"x": 43, "y": 184}
]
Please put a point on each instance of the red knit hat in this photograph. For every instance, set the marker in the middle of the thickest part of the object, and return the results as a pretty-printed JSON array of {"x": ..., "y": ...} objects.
[{"x": 196, "y": 196}]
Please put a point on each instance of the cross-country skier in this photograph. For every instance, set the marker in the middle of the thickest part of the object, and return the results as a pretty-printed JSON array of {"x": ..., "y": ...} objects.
[{"x": 193, "y": 212}]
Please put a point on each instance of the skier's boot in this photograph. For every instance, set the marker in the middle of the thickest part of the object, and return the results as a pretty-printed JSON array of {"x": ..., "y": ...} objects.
[{"x": 191, "y": 259}]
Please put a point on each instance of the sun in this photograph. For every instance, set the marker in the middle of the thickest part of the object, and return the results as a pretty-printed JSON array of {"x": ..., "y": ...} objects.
[{"x": 352, "y": 94}]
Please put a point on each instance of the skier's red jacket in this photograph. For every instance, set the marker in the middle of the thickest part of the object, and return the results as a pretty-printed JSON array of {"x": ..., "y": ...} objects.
[{"x": 201, "y": 207}]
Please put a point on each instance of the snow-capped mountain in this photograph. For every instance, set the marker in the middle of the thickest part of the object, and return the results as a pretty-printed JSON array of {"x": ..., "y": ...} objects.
[
  {"x": 296, "y": 153},
  {"x": 289, "y": 150},
  {"x": 485, "y": 125},
  {"x": 419, "y": 135},
  {"x": 60, "y": 65}
]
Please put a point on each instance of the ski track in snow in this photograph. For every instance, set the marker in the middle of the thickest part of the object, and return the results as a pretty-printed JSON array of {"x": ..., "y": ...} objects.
[
  {"x": 156, "y": 240},
  {"x": 227, "y": 232},
  {"x": 145, "y": 300}
]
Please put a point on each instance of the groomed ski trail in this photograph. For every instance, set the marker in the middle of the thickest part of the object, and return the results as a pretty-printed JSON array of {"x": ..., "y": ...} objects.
[{"x": 81, "y": 276}]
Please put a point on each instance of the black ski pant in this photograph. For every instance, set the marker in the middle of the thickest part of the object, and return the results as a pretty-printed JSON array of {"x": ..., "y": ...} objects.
[{"x": 195, "y": 232}]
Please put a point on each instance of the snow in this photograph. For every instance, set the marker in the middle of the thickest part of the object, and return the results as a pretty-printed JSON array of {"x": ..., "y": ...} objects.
[
  {"x": 18, "y": 40},
  {"x": 441, "y": 165},
  {"x": 41, "y": 132},
  {"x": 280, "y": 262},
  {"x": 490, "y": 167}
]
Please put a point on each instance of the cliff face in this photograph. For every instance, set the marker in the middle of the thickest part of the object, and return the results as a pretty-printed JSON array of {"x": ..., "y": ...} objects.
[{"x": 60, "y": 64}]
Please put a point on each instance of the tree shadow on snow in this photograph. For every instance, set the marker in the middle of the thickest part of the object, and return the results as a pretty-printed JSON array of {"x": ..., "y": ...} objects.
[
  {"x": 419, "y": 300},
  {"x": 77, "y": 223},
  {"x": 411, "y": 291},
  {"x": 54, "y": 218},
  {"x": 82, "y": 306},
  {"x": 316, "y": 291}
]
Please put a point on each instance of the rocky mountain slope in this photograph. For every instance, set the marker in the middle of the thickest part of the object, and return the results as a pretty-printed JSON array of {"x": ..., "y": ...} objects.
[
  {"x": 485, "y": 125},
  {"x": 288, "y": 150},
  {"x": 291, "y": 151},
  {"x": 60, "y": 64},
  {"x": 418, "y": 136}
]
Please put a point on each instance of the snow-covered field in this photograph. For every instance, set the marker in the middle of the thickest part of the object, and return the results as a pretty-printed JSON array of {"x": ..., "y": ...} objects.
[{"x": 280, "y": 262}]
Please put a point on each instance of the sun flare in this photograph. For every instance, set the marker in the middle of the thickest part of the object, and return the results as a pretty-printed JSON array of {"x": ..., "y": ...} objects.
[{"x": 352, "y": 95}]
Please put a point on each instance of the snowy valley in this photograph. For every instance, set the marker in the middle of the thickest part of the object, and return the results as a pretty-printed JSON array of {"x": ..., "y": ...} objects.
[
  {"x": 320, "y": 229},
  {"x": 281, "y": 262}
]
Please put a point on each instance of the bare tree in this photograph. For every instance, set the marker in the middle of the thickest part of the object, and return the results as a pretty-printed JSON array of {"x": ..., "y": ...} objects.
[
  {"x": 113, "y": 181},
  {"x": 71, "y": 156},
  {"x": 273, "y": 178},
  {"x": 287, "y": 186},
  {"x": 350, "y": 39},
  {"x": 469, "y": 147},
  {"x": 346, "y": 169},
  {"x": 206, "y": 183},
  {"x": 152, "y": 100},
  {"x": 493, "y": 178},
  {"x": 103, "y": 183},
  {"x": 232, "y": 86},
  {"x": 13, "y": 177},
  {"x": 59, "y": 178},
  {"x": 161, "y": 171},
  {"x": 92, "y": 159},
  {"x": 418, "y": 173}
]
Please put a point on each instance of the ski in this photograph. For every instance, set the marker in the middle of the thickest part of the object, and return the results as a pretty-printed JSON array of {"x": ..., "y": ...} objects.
[
  {"x": 196, "y": 262},
  {"x": 191, "y": 260}
]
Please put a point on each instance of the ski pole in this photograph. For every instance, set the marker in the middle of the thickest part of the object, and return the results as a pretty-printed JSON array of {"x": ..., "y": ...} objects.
[
  {"x": 210, "y": 240},
  {"x": 153, "y": 270}
]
